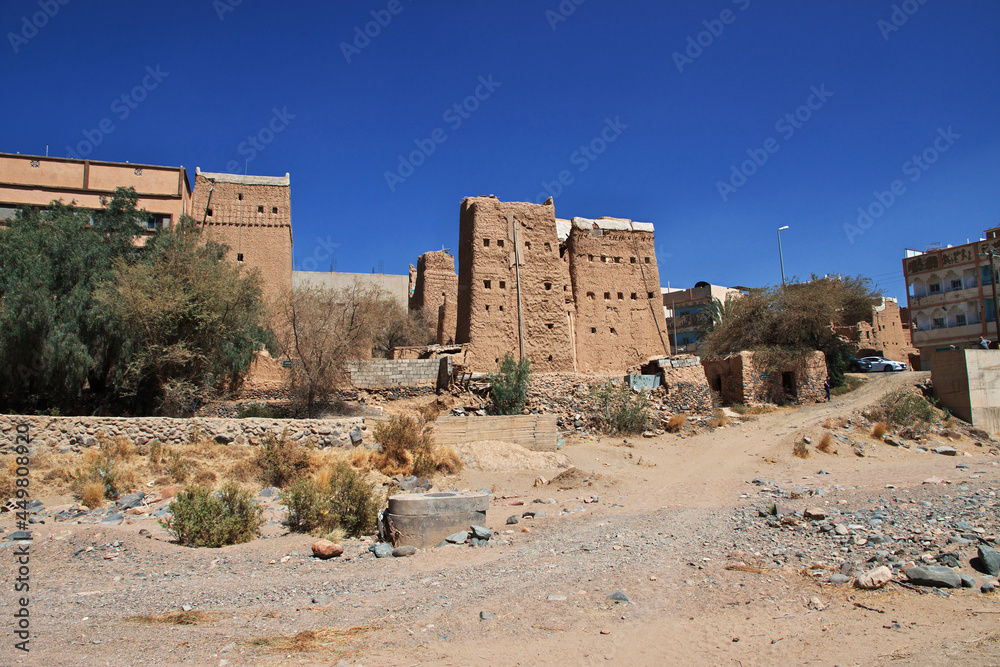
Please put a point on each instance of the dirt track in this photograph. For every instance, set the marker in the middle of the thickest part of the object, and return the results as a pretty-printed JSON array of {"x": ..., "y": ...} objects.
[{"x": 663, "y": 530}]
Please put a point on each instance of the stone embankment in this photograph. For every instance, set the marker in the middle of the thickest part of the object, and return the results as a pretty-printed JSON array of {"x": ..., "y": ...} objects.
[{"x": 70, "y": 432}]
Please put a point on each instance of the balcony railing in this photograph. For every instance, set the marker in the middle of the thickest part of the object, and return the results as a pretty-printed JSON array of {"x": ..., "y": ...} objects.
[{"x": 968, "y": 293}]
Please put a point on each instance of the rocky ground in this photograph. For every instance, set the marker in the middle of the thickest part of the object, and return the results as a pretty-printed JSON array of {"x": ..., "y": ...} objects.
[{"x": 716, "y": 548}]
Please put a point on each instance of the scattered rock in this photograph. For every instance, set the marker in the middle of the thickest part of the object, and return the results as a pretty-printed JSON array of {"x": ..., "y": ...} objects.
[
  {"x": 618, "y": 596},
  {"x": 487, "y": 616},
  {"x": 839, "y": 579},
  {"x": 458, "y": 538},
  {"x": 223, "y": 439},
  {"x": 946, "y": 451},
  {"x": 873, "y": 579},
  {"x": 481, "y": 533},
  {"x": 324, "y": 549},
  {"x": 934, "y": 575},
  {"x": 511, "y": 520},
  {"x": 987, "y": 587},
  {"x": 987, "y": 561},
  {"x": 381, "y": 550},
  {"x": 817, "y": 513},
  {"x": 968, "y": 581},
  {"x": 556, "y": 598},
  {"x": 404, "y": 551}
]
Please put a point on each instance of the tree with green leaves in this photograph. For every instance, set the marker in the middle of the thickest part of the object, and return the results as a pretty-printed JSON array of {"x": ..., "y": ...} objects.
[
  {"x": 782, "y": 325},
  {"x": 509, "y": 386}
]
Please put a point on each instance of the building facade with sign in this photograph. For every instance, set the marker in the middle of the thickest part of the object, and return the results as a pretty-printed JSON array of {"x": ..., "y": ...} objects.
[{"x": 950, "y": 296}]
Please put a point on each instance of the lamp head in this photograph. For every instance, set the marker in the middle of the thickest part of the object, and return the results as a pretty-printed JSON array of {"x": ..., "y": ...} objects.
[{"x": 781, "y": 229}]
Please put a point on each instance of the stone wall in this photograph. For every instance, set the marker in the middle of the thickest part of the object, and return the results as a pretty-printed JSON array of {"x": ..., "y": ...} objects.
[
  {"x": 253, "y": 216},
  {"x": 738, "y": 380},
  {"x": 616, "y": 290},
  {"x": 384, "y": 373},
  {"x": 68, "y": 432}
]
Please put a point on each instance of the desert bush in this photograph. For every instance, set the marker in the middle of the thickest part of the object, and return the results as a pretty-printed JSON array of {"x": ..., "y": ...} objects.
[
  {"x": 282, "y": 461},
  {"x": 834, "y": 422},
  {"x": 879, "y": 430},
  {"x": 92, "y": 494},
  {"x": 617, "y": 410},
  {"x": 800, "y": 450},
  {"x": 850, "y": 384},
  {"x": 408, "y": 449},
  {"x": 203, "y": 519},
  {"x": 339, "y": 498},
  {"x": 900, "y": 408},
  {"x": 509, "y": 386},
  {"x": 675, "y": 423},
  {"x": 256, "y": 410},
  {"x": 428, "y": 412},
  {"x": 826, "y": 444},
  {"x": 109, "y": 466},
  {"x": 718, "y": 419}
]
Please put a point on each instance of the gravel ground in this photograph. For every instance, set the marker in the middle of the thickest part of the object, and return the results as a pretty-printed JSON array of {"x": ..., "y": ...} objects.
[{"x": 680, "y": 527}]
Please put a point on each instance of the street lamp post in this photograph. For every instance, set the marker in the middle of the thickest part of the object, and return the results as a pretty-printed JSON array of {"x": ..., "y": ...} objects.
[
  {"x": 992, "y": 254},
  {"x": 781, "y": 259}
]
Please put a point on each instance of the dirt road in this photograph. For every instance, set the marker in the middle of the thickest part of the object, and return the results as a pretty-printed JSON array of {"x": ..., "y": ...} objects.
[{"x": 671, "y": 513}]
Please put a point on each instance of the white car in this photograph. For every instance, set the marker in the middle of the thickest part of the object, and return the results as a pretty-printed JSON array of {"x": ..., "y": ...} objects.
[{"x": 883, "y": 364}]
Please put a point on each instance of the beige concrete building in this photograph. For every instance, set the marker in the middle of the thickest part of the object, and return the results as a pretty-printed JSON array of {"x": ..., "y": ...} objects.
[
  {"x": 253, "y": 216},
  {"x": 685, "y": 312},
  {"x": 582, "y": 295},
  {"x": 395, "y": 286},
  {"x": 30, "y": 180},
  {"x": 950, "y": 296}
]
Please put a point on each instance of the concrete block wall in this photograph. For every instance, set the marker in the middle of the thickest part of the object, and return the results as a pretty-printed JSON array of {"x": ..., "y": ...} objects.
[{"x": 384, "y": 373}]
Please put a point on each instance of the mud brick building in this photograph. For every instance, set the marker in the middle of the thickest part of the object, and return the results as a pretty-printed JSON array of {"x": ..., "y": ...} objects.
[
  {"x": 589, "y": 289},
  {"x": 738, "y": 379},
  {"x": 253, "y": 216},
  {"x": 884, "y": 334},
  {"x": 434, "y": 289}
]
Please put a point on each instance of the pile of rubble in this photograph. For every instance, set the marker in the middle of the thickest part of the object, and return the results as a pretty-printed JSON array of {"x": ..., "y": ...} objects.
[{"x": 927, "y": 536}]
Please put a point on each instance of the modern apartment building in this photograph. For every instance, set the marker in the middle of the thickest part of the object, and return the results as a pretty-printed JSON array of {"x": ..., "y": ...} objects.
[
  {"x": 950, "y": 296},
  {"x": 31, "y": 180}
]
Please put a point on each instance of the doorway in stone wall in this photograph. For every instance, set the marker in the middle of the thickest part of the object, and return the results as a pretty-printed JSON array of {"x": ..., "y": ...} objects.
[{"x": 788, "y": 385}]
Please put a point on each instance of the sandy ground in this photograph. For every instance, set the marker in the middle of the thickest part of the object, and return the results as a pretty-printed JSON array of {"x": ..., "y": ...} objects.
[{"x": 661, "y": 529}]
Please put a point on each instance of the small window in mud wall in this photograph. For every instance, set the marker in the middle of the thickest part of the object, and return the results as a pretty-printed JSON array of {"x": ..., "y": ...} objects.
[
  {"x": 487, "y": 284},
  {"x": 486, "y": 243},
  {"x": 550, "y": 325},
  {"x": 548, "y": 286},
  {"x": 548, "y": 247},
  {"x": 499, "y": 243},
  {"x": 613, "y": 330},
  {"x": 503, "y": 284},
  {"x": 527, "y": 245},
  {"x": 607, "y": 296},
  {"x": 590, "y": 295},
  {"x": 647, "y": 260},
  {"x": 274, "y": 210},
  {"x": 632, "y": 259},
  {"x": 590, "y": 258},
  {"x": 239, "y": 257},
  {"x": 593, "y": 329},
  {"x": 260, "y": 209}
]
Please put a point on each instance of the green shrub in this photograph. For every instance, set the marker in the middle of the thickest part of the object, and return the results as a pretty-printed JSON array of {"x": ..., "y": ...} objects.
[
  {"x": 282, "y": 461},
  {"x": 201, "y": 519},
  {"x": 850, "y": 384},
  {"x": 901, "y": 408},
  {"x": 256, "y": 410},
  {"x": 619, "y": 410},
  {"x": 342, "y": 499},
  {"x": 509, "y": 386}
]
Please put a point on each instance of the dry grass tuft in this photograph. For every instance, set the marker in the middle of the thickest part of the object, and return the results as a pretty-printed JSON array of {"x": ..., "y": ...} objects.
[
  {"x": 675, "y": 423},
  {"x": 428, "y": 412},
  {"x": 800, "y": 450},
  {"x": 174, "y": 618},
  {"x": 311, "y": 640},
  {"x": 834, "y": 423},
  {"x": 92, "y": 494},
  {"x": 743, "y": 567},
  {"x": 718, "y": 419},
  {"x": 409, "y": 449},
  {"x": 879, "y": 430},
  {"x": 826, "y": 444}
]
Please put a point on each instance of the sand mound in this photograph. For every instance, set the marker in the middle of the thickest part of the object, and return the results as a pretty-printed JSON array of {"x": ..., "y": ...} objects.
[
  {"x": 572, "y": 478},
  {"x": 500, "y": 456}
]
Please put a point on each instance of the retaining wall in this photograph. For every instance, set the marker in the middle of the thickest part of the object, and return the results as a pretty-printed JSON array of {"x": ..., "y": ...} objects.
[
  {"x": 87, "y": 431},
  {"x": 535, "y": 432}
]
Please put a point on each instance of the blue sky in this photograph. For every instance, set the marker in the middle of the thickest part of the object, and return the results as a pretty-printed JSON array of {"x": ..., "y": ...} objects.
[{"x": 718, "y": 121}]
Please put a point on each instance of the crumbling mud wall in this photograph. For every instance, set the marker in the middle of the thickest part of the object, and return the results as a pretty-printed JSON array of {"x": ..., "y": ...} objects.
[
  {"x": 743, "y": 382},
  {"x": 487, "y": 285},
  {"x": 253, "y": 216},
  {"x": 616, "y": 290},
  {"x": 435, "y": 283}
]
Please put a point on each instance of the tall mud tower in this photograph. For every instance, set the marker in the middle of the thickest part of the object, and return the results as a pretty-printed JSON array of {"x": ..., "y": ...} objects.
[
  {"x": 489, "y": 319},
  {"x": 435, "y": 290},
  {"x": 590, "y": 289},
  {"x": 253, "y": 216},
  {"x": 616, "y": 289}
]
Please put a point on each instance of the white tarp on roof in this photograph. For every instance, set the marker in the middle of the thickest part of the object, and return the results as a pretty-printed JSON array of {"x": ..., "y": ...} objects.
[
  {"x": 612, "y": 225},
  {"x": 245, "y": 180}
]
